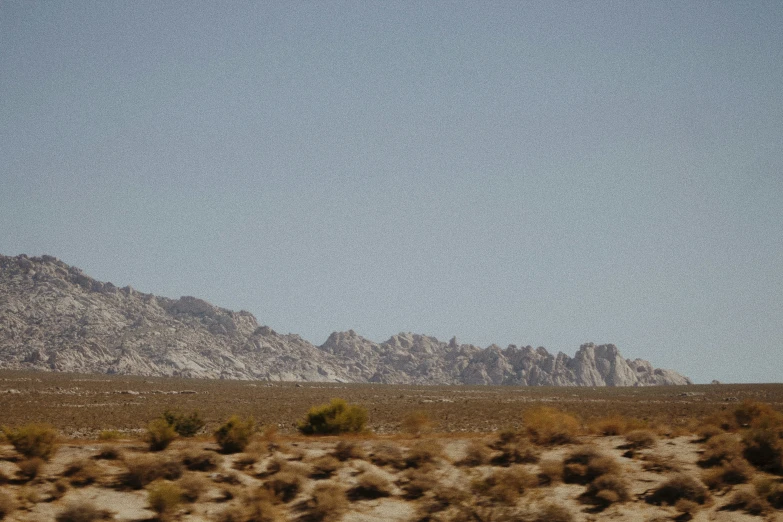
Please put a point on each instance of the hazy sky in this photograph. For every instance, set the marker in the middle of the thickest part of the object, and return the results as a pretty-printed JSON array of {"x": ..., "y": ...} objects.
[{"x": 530, "y": 173}]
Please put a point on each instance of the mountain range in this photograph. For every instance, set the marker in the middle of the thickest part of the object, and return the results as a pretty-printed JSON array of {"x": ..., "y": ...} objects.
[{"x": 54, "y": 317}]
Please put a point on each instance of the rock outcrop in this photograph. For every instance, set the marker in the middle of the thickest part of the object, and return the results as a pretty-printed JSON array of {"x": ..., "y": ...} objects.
[{"x": 54, "y": 317}]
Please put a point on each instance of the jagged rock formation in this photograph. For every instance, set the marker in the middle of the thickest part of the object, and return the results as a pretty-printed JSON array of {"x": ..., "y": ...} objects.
[{"x": 54, "y": 317}]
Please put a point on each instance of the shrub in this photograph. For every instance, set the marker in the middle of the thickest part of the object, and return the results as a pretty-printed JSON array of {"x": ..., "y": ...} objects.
[
  {"x": 109, "y": 435},
  {"x": 196, "y": 460},
  {"x": 234, "y": 435},
  {"x": 506, "y": 485},
  {"x": 417, "y": 423},
  {"x": 769, "y": 490},
  {"x": 30, "y": 468},
  {"x": 720, "y": 448},
  {"x": 514, "y": 449},
  {"x": 680, "y": 486},
  {"x": 607, "y": 489},
  {"x": 324, "y": 466},
  {"x": 614, "y": 425},
  {"x": 548, "y": 426},
  {"x": 748, "y": 411},
  {"x": 640, "y": 439},
  {"x": 328, "y": 502},
  {"x": 553, "y": 513},
  {"x": 284, "y": 485},
  {"x": 109, "y": 453},
  {"x": 347, "y": 450},
  {"x": 583, "y": 465},
  {"x": 336, "y": 417},
  {"x": 59, "y": 489},
  {"x": 748, "y": 501},
  {"x": 258, "y": 507},
  {"x": 145, "y": 469},
  {"x": 164, "y": 498},
  {"x": 83, "y": 511},
  {"x": 371, "y": 485},
  {"x": 417, "y": 482},
  {"x": 476, "y": 454},
  {"x": 192, "y": 486},
  {"x": 550, "y": 472},
  {"x": 184, "y": 425},
  {"x": 659, "y": 463},
  {"x": 82, "y": 472},
  {"x": 33, "y": 440},
  {"x": 7, "y": 504},
  {"x": 159, "y": 435},
  {"x": 735, "y": 471},
  {"x": 763, "y": 449},
  {"x": 424, "y": 452},
  {"x": 388, "y": 454}
]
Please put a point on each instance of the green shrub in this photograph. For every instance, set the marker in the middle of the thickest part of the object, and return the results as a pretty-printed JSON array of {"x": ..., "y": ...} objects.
[
  {"x": 336, "y": 417},
  {"x": 164, "y": 497},
  {"x": 160, "y": 434},
  {"x": 33, "y": 440},
  {"x": 234, "y": 435},
  {"x": 184, "y": 425}
]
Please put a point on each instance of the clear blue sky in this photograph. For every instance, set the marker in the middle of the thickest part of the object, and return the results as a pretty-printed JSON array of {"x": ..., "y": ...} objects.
[{"x": 528, "y": 173}]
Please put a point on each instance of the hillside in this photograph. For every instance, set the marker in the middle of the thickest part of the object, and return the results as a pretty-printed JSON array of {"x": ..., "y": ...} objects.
[{"x": 54, "y": 317}]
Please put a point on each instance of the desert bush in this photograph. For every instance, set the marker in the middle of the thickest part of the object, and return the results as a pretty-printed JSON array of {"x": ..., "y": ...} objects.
[
  {"x": 196, "y": 460},
  {"x": 476, "y": 454},
  {"x": 284, "y": 485},
  {"x": 33, "y": 440},
  {"x": 7, "y": 504},
  {"x": 659, "y": 463},
  {"x": 192, "y": 486},
  {"x": 748, "y": 411},
  {"x": 423, "y": 452},
  {"x": 550, "y": 472},
  {"x": 246, "y": 460},
  {"x": 256, "y": 507},
  {"x": 552, "y": 513},
  {"x": 59, "y": 488},
  {"x": 371, "y": 485},
  {"x": 159, "y": 435},
  {"x": 347, "y": 450},
  {"x": 720, "y": 448},
  {"x": 640, "y": 439},
  {"x": 584, "y": 464},
  {"x": 607, "y": 426},
  {"x": 324, "y": 467},
  {"x": 505, "y": 485},
  {"x": 83, "y": 511},
  {"x": 749, "y": 502},
  {"x": 145, "y": 469},
  {"x": 234, "y": 435},
  {"x": 184, "y": 425},
  {"x": 388, "y": 454},
  {"x": 109, "y": 435},
  {"x": 164, "y": 498},
  {"x": 680, "y": 486},
  {"x": 763, "y": 449},
  {"x": 686, "y": 507},
  {"x": 708, "y": 431},
  {"x": 514, "y": 448},
  {"x": 770, "y": 490},
  {"x": 416, "y": 423},
  {"x": 109, "y": 453},
  {"x": 327, "y": 503},
  {"x": 30, "y": 468},
  {"x": 735, "y": 471},
  {"x": 82, "y": 472},
  {"x": 417, "y": 482},
  {"x": 607, "y": 489},
  {"x": 335, "y": 417},
  {"x": 547, "y": 426}
]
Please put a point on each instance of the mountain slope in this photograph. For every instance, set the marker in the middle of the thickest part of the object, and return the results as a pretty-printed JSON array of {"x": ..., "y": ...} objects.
[{"x": 54, "y": 317}]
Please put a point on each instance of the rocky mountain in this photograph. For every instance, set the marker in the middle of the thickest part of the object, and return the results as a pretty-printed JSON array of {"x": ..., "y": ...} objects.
[{"x": 54, "y": 317}]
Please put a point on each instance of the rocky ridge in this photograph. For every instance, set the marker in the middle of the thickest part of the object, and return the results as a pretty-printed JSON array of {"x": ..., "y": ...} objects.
[{"x": 54, "y": 317}]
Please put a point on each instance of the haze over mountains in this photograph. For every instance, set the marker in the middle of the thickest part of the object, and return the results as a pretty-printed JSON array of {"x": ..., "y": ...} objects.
[{"x": 54, "y": 317}]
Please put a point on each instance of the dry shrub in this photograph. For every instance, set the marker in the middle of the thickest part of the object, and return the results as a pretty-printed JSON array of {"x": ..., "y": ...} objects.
[
  {"x": 506, "y": 485},
  {"x": 109, "y": 435},
  {"x": 640, "y": 439},
  {"x": 552, "y": 513},
  {"x": 660, "y": 463},
  {"x": 550, "y": 471},
  {"x": 196, "y": 460},
  {"x": 607, "y": 426},
  {"x": 164, "y": 498},
  {"x": 770, "y": 490},
  {"x": 30, "y": 468},
  {"x": 159, "y": 434},
  {"x": 33, "y": 440},
  {"x": 749, "y": 411},
  {"x": 371, "y": 485},
  {"x": 763, "y": 448},
  {"x": 109, "y": 453},
  {"x": 192, "y": 486},
  {"x": 284, "y": 485},
  {"x": 145, "y": 469},
  {"x": 514, "y": 448},
  {"x": 687, "y": 507},
  {"x": 720, "y": 448},
  {"x": 476, "y": 454},
  {"x": 547, "y": 426},
  {"x": 58, "y": 489},
  {"x": 335, "y": 417},
  {"x": 258, "y": 507},
  {"x": 417, "y": 482},
  {"x": 7, "y": 504},
  {"x": 83, "y": 511},
  {"x": 275, "y": 465},
  {"x": 434, "y": 506},
  {"x": 585, "y": 464},
  {"x": 424, "y": 452},
  {"x": 82, "y": 472},
  {"x": 416, "y": 423},
  {"x": 347, "y": 450},
  {"x": 749, "y": 502},
  {"x": 388, "y": 454},
  {"x": 708, "y": 431},
  {"x": 327, "y": 503},
  {"x": 735, "y": 471},
  {"x": 246, "y": 460},
  {"x": 234, "y": 435},
  {"x": 231, "y": 478},
  {"x": 606, "y": 489},
  {"x": 680, "y": 486},
  {"x": 324, "y": 467}
]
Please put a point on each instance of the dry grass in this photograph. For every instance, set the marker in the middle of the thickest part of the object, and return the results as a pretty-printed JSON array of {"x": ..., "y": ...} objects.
[
  {"x": 59, "y": 488},
  {"x": 514, "y": 448},
  {"x": 324, "y": 467},
  {"x": 388, "y": 454},
  {"x": 284, "y": 485},
  {"x": 640, "y": 439},
  {"x": 260, "y": 506},
  {"x": 30, "y": 468},
  {"x": 192, "y": 486},
  {"x": 720, "y": 448},
  {"x": 424, "y": 452},
  {"x": 109, "y": 453},
  {"x": 660, "y": 463},
  {"x": 416, "y": 423},
  {"x": 552, "y": 513},
  {"x": 607, "y": 489},
  {"x": 476, "y": 454},
  {"x": 735, "y": 471},
  {"x": 145, "y": 469},
  {"x": 83, "y": 511},
  {"x": 584, "y": 464},
  {"x": 547, "y": 426},
  {"x": 196, "y": 460},
  {"x": 371, "y": 485},
  {"x": 327, "y": 503},
  {"x": 505, "y": 485},
  {"x": 82, "y": 472},
  {"x": 415, "y": 483},
  {"x": 550, "y": 472},
  {"x": 678, "y": 487}
]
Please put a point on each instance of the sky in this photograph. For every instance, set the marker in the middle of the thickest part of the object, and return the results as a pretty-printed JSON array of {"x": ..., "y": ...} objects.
[{"x": 530, "y": 173}]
